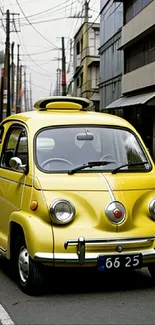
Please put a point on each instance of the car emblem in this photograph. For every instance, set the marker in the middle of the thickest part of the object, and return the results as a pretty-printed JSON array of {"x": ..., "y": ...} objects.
[{"x": 119, "y": 248}]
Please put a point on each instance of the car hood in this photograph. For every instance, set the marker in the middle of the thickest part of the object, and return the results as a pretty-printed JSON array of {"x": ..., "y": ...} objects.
[
  {"x": 91, "y": 193},
  {"x": 95, "y": 182}
]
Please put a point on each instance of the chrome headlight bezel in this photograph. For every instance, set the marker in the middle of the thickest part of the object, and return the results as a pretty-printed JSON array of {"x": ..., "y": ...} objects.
[
  {"x": 152, "y": 208},
  {"x": 62, "y": 204},
  {"x": 113, "y": 208}
]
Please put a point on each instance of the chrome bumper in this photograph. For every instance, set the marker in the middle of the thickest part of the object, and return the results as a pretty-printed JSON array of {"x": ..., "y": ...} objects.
[{"x": 83, "y": 257}]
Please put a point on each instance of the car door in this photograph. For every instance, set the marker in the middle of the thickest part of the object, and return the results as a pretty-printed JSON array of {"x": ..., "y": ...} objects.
[{"x": 11, "y": 182}]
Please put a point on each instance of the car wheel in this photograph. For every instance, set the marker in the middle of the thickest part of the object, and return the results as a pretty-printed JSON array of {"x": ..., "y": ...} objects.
[{"x": 29, "y": 274}]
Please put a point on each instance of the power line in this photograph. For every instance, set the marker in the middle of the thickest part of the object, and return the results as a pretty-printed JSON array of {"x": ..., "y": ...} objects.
[
  {"x": 43, "y": 21},
  {"x": 41, "y": 52},
  {"x": 42, "y": 74},
  {"x": 31, "y": 57},
  {"x": 33, "y": 26},
  {"x": 37, "y": 86},
  {"x": 51, "y": 9}
]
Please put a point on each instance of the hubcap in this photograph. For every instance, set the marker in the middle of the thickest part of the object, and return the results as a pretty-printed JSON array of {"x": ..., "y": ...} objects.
[{"x": 23, "y": 264}]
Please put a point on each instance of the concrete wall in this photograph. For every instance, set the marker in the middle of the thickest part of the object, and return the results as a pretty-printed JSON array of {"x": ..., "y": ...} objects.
[
  {"x": 144, "y": 20},
  {"x": 139, "y": 78}
]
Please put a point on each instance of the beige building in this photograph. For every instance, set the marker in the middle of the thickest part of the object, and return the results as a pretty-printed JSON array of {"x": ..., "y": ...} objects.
[
  {"x": 137, "y": 103},
  {"x": 85, "y": 81}
]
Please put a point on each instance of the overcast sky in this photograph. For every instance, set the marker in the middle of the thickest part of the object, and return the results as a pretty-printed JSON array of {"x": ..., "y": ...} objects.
[{"x": 39, "y": 28}]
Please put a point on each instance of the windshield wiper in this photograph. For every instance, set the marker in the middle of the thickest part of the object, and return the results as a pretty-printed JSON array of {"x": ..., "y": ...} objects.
[
  {"x": 89, "y": 164},
  {"x": 129, "y": 165}
]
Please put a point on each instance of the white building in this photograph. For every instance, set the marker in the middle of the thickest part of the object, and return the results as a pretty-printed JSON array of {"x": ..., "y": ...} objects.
[{"x": 86, "y": 61}]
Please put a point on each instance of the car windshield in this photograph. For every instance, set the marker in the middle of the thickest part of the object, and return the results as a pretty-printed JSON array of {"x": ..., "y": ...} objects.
[{"x": 64, "y": 148}]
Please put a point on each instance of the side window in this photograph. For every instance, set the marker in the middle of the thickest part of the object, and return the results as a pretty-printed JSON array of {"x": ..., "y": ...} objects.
[
  {"x": 22, "y": 148},
  {"x": 15, "y": 145}
]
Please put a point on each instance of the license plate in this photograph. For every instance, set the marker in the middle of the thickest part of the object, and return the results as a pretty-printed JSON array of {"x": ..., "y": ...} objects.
[{"x": 116, "y": 262}]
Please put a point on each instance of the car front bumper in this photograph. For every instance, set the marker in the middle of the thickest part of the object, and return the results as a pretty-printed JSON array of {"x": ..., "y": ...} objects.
[{"x": 126, "y": 246}]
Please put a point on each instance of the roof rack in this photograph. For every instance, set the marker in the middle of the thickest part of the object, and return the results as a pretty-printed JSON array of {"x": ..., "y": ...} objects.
[{"x": 63, "y": 103}]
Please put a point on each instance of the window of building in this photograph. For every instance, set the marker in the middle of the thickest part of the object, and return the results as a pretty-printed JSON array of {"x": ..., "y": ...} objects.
[
  {"x": 140, "y": 54},
  {"x": 81, "y": 78},
  {"x": 96, "y": 41},
  {"x": 81, "y": 44},
  {"x": 78, "y": 82},
  {"x": 133, "y": 7},
  {"x": 78, "y": 48}
]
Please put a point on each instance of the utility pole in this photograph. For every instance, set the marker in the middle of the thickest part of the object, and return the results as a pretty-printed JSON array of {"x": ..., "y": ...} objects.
[
  {"x": 85, "y": 48},
  {"x": 1, "y": 98},
  {"x": 27, "y": 100},
  {"x": 12, "y": 74},
  {"x": 17, "y": 82},
  {"x": 8, "y": 112},
  {"x": 7, "y": 83},
  {"x": 58, "y": 82},
  {"x": 20, "y": 89},
  {"x": 70, "y": 57},
  {"x": 31, "y": 104},
  {"x": 63, "y": 80},
  {"x": 50, "y": 93},
  {"x": 25, "y": 91},
  {"x": 85, "y": 86}
]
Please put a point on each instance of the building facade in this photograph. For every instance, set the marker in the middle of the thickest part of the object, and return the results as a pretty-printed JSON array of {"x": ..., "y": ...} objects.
[
  {"x": 111, "y": 60},
  {"x": 86, "y": 62},
  {"x": 137, "y": 102}
]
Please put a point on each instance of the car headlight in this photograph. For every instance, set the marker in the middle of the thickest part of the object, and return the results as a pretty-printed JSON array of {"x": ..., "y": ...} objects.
[
  {"x": 62, "y": 211},
  {"x": 152, "y": 208},
  {"x": 115, "y": 211}
]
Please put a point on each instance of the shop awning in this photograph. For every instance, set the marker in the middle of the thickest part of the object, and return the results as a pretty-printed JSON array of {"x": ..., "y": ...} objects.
[{"x": 125, "y": 101}]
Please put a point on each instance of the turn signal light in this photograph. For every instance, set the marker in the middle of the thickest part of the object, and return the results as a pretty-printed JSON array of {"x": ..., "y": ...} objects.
[{"x": 33, "y": 205}]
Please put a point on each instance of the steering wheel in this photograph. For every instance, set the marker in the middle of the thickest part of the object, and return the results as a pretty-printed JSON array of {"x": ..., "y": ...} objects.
[
  {"x": 108, "y": 156},
  {"x": 48, "y": 161}
]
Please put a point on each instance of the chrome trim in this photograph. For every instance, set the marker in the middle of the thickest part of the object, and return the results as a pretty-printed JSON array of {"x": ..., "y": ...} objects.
[
  {"x": 91, "y": 258},
  {"x": 81, "y": 257},
  {"x": 109, "y": 211},
  {"x": 108, "y": 242},
  {"x": 81, "y": 242},
  {"x": 53, "y": 213},
  {"x": 152, "y": 208},
  {"x": 109, "y": 188},
  {"x": 81, "y": 250}
]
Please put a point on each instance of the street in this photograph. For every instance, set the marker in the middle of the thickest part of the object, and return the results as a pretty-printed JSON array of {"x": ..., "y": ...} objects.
[{"x": 81, "y": 300}]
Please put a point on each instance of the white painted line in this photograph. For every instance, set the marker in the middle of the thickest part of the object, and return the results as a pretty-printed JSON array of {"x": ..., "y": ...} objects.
[{"x": 4, "y": 317}]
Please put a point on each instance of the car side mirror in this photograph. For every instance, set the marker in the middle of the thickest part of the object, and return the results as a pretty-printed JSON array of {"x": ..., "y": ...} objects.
[{"x": 16, "y": 164}]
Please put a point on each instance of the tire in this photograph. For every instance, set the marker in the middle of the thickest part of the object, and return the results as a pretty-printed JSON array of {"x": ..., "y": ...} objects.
[{"x": 29, "y": 274}]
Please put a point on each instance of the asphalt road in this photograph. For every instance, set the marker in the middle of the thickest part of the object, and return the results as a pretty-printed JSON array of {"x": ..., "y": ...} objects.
[{"x": 81, "y": 299}]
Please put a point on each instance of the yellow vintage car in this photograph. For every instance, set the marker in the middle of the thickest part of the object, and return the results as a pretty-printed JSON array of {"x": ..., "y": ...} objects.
[{"x": 77, "y": 189}]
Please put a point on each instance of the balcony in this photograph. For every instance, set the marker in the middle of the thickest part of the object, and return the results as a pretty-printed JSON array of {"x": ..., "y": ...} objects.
[
  {"x": 141, "y": 23},
  {"x": 139, "y": 78}
]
